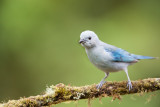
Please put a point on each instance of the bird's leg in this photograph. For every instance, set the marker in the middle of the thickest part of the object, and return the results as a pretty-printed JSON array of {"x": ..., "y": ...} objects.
[
  {"x": 129, "y": 84},
  {"x": 102, "y": 81}
]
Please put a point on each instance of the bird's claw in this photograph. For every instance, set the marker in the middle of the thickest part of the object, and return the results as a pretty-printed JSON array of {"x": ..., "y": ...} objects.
[
  {"x": 129, "y": 85},
  {"x": 100, "y": 84}
]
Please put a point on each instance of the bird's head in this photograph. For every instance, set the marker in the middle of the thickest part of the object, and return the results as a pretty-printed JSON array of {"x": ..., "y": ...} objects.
[{"x": 88, "y": 39}]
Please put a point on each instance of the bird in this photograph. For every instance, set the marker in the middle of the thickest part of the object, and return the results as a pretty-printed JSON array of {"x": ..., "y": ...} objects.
[{"x": 108, "y": 58}]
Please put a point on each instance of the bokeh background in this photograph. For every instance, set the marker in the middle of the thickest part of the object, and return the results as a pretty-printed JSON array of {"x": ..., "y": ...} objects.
[{"x": 39, "y": 45}]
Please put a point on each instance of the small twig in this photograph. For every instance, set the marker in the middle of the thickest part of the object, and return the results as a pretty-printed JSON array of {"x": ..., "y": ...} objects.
[{"x": 62, "y": 93}]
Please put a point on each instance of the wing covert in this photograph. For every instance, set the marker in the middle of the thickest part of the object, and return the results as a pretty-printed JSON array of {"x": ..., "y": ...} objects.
[{"x": 120, "y": 55}]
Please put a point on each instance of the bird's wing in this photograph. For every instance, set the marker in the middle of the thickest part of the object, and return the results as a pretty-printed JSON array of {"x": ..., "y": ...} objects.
[{"x": 120, "y": 55}]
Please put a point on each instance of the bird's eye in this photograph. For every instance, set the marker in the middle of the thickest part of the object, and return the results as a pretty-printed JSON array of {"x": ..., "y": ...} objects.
[{"x": 89, "y": 38}]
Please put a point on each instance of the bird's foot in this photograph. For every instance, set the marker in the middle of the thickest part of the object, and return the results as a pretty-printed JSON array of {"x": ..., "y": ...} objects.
[
  {"x": 129, "y": 85},
  {"x": 100, "y": 84}
]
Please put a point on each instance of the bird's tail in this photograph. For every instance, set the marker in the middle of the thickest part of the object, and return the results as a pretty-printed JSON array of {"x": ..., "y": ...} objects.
[{"x": 144, "y": 57}]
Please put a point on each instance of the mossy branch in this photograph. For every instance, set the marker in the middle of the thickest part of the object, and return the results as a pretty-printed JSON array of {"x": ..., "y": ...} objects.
[{"x": 62, "y": 93}]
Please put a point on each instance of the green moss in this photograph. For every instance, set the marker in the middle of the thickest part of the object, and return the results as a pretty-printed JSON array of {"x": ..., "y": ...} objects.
[{"x": 61, "y": 93}]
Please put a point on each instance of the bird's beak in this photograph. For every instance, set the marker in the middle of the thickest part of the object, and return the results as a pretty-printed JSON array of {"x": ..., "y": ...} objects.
[{"x": 81, "y": 41}]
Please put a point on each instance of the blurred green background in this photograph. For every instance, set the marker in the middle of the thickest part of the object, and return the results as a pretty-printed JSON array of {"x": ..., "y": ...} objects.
[{"x": 39, "y": 45}]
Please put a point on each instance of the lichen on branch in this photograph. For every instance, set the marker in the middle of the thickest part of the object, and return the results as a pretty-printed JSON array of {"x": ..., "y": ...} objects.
[{"x": 63, "y": 93}]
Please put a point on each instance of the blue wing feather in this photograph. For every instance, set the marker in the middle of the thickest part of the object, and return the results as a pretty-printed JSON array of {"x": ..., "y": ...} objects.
[{"x": 120, "y": 55}]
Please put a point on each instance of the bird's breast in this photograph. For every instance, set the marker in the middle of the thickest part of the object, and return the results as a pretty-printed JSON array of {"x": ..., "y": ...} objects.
[{"x": 99, "y": 57}]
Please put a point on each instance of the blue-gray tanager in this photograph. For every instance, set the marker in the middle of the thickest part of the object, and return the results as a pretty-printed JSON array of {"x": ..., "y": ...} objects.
[{"x": 106, "y": 57}]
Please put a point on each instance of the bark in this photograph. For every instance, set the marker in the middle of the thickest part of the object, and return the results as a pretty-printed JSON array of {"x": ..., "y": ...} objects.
[{"x": 63, "y": 93}]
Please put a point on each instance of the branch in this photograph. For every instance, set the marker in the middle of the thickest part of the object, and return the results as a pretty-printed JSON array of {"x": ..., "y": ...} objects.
[{"x": 62, "y": 93}]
